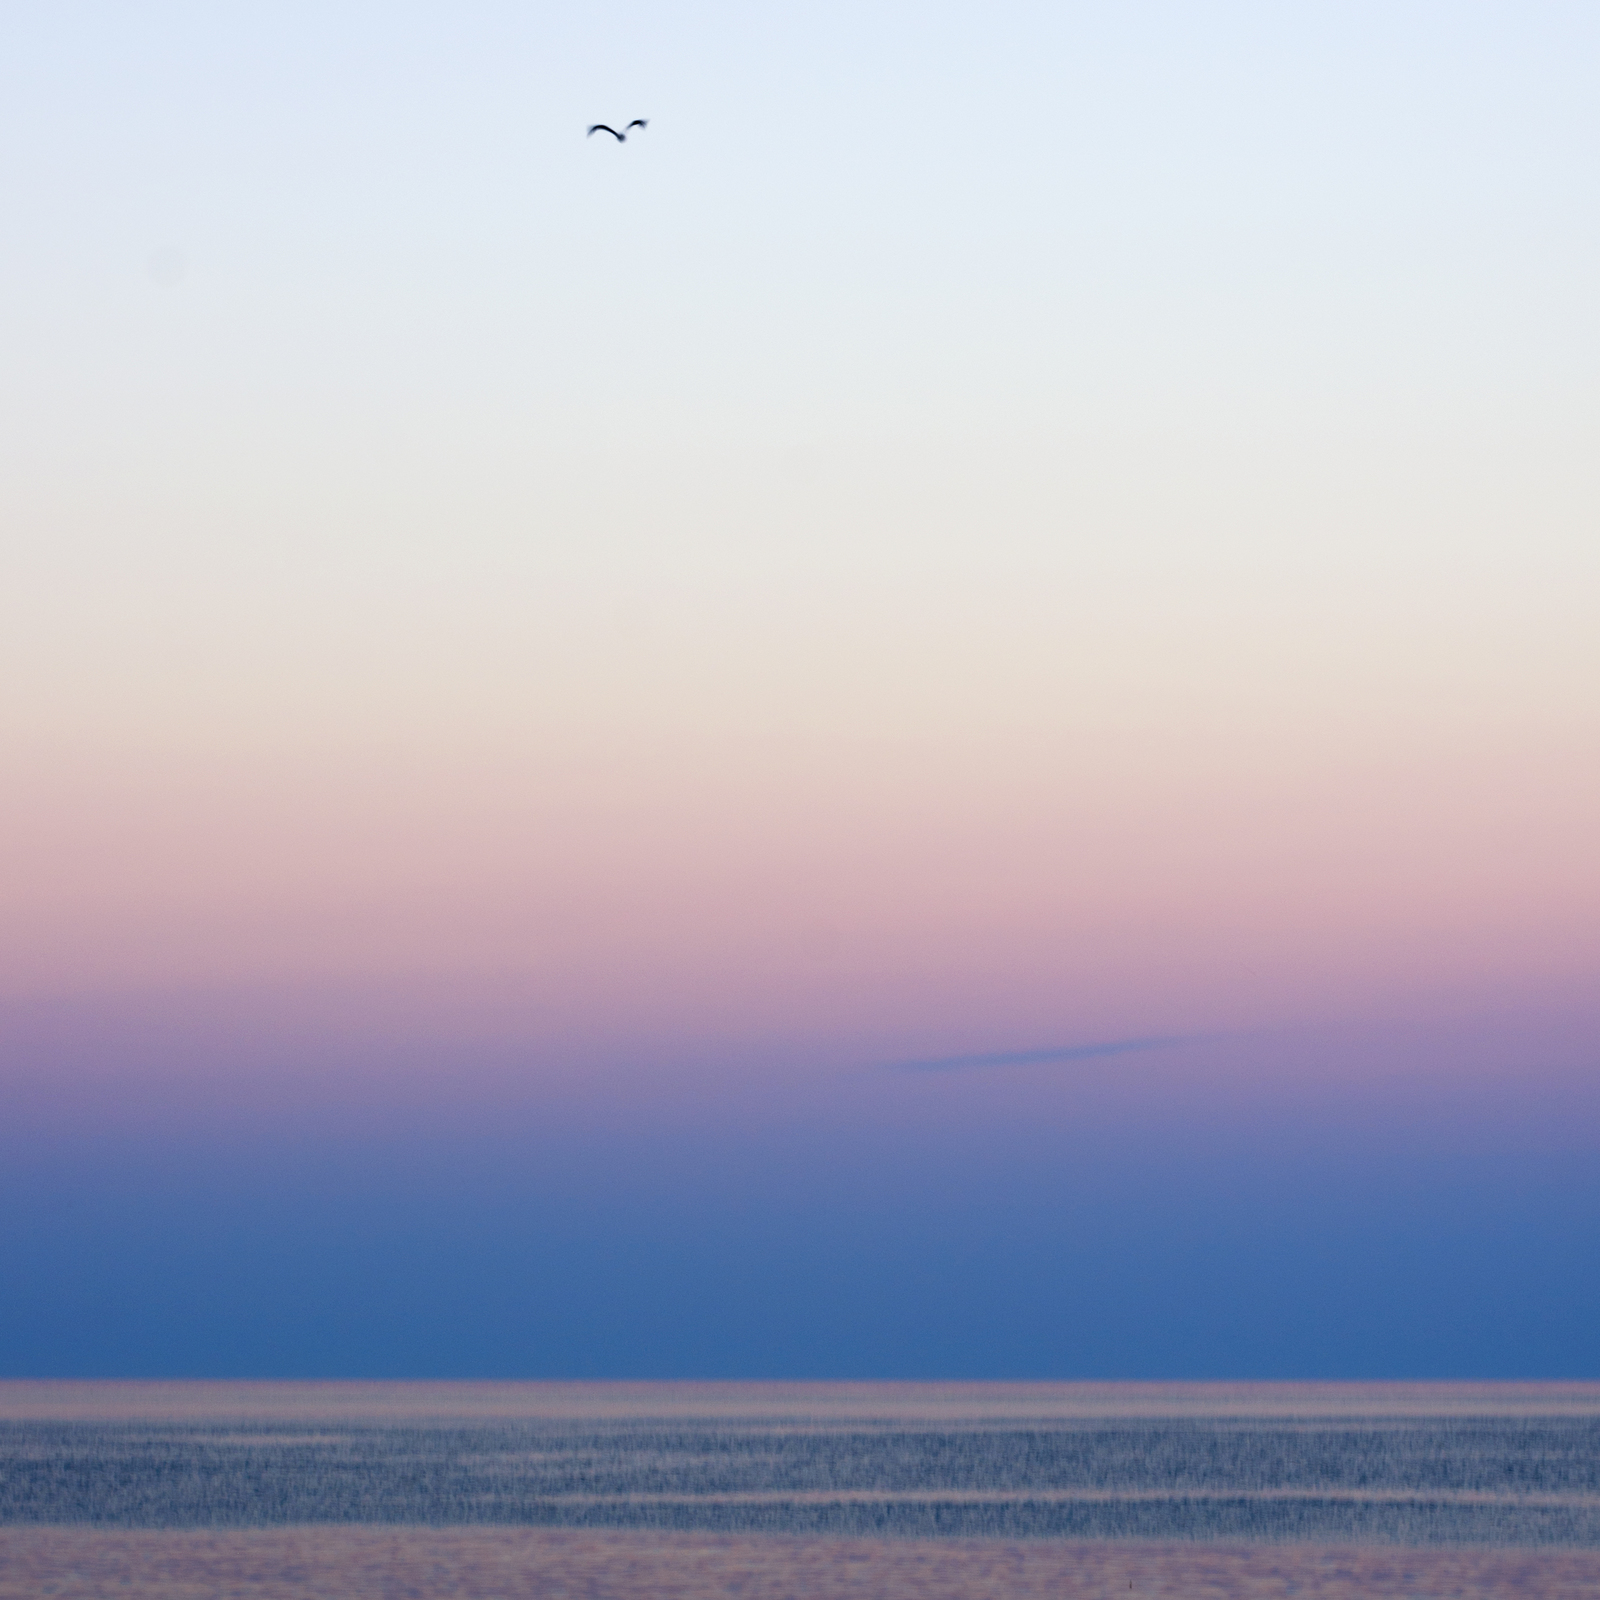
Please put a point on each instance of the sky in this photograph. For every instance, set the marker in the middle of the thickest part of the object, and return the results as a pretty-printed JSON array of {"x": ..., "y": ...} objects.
[{"x": 940, "y": 719}]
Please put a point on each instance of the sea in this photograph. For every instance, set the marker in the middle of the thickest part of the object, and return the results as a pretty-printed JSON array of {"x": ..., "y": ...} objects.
[{"x": 771, "y": 1490}]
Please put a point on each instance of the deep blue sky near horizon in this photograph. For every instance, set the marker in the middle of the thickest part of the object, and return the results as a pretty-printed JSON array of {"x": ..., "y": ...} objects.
[
  {"x": 1108, "y": 1217},
  {"x": 393, "y": 1263}
]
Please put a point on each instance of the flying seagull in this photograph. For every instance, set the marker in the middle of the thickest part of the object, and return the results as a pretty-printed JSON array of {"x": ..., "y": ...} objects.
[{"x": 621, "y": 138}]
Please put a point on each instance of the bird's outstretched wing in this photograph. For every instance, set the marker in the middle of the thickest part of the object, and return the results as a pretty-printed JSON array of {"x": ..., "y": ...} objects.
[
  {"x": 638, "y": 122},
  {"x": 601, "y": 127}
]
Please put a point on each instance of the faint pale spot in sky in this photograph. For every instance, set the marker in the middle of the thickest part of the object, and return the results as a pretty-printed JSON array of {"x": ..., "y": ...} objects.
[{"x": 168, "y": 267}]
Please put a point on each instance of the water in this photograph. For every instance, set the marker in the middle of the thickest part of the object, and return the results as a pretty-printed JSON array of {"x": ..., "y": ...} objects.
[
  {"x": 1413, "y": 1481},
  {"x": 769, "y": 1489}
]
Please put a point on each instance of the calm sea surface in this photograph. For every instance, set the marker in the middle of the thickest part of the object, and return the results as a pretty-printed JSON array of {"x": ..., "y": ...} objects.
[{"x": 725, "y": 1488}]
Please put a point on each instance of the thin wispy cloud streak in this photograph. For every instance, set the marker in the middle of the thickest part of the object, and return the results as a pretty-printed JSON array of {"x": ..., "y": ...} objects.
[{"x": 1049, "y": 1054}]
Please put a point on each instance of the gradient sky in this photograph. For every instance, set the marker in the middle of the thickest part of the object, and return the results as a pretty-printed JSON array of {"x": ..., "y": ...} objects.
[{"x": 941, "y": 719}]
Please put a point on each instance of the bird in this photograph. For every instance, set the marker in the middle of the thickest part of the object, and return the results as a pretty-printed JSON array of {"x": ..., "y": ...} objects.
[{"x": 621, "y": 138}]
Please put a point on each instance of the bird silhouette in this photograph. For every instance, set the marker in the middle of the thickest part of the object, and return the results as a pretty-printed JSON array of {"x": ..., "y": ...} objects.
[{"x": 621, "y": 138}]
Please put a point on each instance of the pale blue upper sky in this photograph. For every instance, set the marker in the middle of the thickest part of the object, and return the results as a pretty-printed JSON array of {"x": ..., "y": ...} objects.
[
  {"x": 338, "y": 301},
  {"x": 846, "y": 223}
]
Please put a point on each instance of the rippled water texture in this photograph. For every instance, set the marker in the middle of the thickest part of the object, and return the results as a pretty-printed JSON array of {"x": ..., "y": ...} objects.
[{"x": 706, "y": 1489}]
